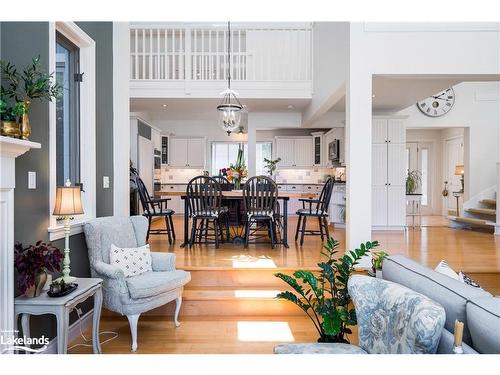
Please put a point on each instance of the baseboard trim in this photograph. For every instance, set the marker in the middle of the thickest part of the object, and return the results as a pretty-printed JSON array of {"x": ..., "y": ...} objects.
[{"x": 73, "y": 333}]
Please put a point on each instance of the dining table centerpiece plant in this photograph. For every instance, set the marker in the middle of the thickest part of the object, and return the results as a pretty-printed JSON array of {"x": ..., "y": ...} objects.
[
  {"x": 18, "y": 90},
  {"x": 413, "y": 181},
  {"x": 323, "y": 295},
  {"x": 32, "y": 264},
  {"x": 237, "y": 171}
]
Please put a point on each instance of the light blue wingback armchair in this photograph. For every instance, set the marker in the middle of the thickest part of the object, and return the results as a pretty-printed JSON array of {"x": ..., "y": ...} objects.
[
  {"x": 392, "y": 319},
  {"x": 132, "y": 296}
]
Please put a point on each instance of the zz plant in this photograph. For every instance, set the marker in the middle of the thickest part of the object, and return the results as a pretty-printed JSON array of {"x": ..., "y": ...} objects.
[{"x": 324, "y": 296}]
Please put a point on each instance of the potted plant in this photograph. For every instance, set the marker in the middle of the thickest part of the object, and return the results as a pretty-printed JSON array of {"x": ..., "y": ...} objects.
[
  {"x": 324, "y": 296},
  {"x": 32, "y": 264},
  {"x": 237, "y": 171},
  {"x": 20, "y": 90},
  {"x": 271, "y": 165},
  {"x": 377, "y": 260},
  {"x": 413, "y": 180}
]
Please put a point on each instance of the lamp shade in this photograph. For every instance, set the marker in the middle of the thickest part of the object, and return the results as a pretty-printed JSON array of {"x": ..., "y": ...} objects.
[
  {"x": 68, "y": 201},
  {"x": 459, "y": 170}
]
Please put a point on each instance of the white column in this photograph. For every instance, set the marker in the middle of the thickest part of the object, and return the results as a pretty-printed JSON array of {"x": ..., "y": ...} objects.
[
  {"x": 497, "y": 226},
  {"x": 358, "y": 143},
  {"x": 121, "y": 118},
  {"x": 10, "y": 148},
  {"x": 252, "y": 147}
]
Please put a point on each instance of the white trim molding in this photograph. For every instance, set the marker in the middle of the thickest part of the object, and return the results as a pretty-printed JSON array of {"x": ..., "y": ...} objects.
[
  {"x": 87, "y": 125},
  {"x": 10, "y": 149}
]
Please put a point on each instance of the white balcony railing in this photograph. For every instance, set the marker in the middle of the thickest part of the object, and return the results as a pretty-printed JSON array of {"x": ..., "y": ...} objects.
[{"x": 199, "y": 52}]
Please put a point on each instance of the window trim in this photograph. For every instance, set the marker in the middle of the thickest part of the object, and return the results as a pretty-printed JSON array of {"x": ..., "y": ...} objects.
[{"x": 87, "y": 127}]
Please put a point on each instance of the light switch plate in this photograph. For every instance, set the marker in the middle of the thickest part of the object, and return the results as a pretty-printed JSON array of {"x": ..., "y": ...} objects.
[
  {"x": 105, "y": 182},
  {"x": 31, "y": 180}
]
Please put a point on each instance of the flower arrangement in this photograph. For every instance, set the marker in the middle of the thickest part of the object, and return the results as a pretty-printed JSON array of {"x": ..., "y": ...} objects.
[
  {"x": 33, "y": 262},
  {"x": 237, "y": 171}
]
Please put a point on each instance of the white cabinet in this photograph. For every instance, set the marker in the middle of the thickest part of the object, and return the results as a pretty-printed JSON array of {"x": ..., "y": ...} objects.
[
  {"x": 187, "y": 152},
  {"x": 333, "y": 135},
  {"x": 295, "y": 152},
  {"x": 318, "y": 146},
  {"x": 388, "y": 172},
  {"x": 156, "y": 138},
  {"x": 336, "y": 209}
]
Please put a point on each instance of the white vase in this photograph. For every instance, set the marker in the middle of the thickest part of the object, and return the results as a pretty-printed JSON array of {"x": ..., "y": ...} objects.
[{"x": 378, "y": 274}]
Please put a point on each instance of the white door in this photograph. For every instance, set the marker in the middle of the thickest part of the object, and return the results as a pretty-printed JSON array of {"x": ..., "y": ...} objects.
[
  {"x": 379, "y": 131},
  {"x": 196, "y": 152},
  {"x": 379, "y": 205},
  {"x": 145, "y": 162},
  {"x": 304, "y": 152},
  {"x": 420, "y": 157},
  {"x": 178, "y": 152},
  {"x": 285, "y": 151},
  {"x": 379, "y": 164},
  {"x": 396, "y": 164},
  {"x": 396, "y": 204},
  {"x": 453, "y": 155},
  {"x": 396, "y": 131}
]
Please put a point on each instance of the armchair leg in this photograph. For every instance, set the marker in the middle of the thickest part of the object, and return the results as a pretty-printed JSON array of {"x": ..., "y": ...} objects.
[
  {"x": 132, "y": 320},
  {"x": 178, "y": 303}
]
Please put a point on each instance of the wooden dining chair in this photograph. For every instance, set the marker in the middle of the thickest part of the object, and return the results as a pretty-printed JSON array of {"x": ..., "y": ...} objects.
[
  {"x": 209, "y": 218},
  {"x": 155, "y": 207},
  {"x": 315, "y": 208},
  {"x": 260, "y": 195}
]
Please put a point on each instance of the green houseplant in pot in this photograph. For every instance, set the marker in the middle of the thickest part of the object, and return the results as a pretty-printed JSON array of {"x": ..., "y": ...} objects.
[
  {"x": 271, "y": 165},
  {"x": 377, "y": 260},
  {"x": 323, "y": 296},
  {"x": 413, "y": 181}
]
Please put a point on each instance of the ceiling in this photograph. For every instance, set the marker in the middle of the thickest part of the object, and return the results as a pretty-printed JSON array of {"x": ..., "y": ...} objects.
[
  {"x": 393, "y": 93},
  {"x": 201, "y": 109}
]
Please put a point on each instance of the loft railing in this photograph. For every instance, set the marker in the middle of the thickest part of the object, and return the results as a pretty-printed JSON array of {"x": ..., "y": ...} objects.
[{"x": 199, "y": 52}]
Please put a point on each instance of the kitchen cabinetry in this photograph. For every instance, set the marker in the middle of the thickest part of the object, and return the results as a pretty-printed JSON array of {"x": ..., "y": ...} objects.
[
  {"x": 175, "y": 203},
  {"x": 156, "y": 138},
  {"x": 388, "y": 172},
  {"x": 295, "y": 151},
  {"x": 164, "y": 150},
  {"x": 318, "y": 146},
  {"x": 329, "y": 137},
  {"x": 336, "y": 208},
  {"x": 187, "y": 152}
]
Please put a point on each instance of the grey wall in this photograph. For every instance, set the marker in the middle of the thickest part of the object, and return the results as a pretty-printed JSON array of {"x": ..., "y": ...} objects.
[{"x": 20, "y": 42}]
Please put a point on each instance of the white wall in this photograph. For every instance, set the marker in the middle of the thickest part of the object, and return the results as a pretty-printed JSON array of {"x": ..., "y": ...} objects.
[
  {"x": 330, "y": 66},
  {"x": 477, "y": 109}
]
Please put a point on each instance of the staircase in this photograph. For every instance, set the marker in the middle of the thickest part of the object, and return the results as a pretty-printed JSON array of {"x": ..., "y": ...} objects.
[{"x": 478, "y": 213}]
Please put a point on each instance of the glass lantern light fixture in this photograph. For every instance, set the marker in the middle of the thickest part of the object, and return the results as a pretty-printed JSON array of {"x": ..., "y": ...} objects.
[{"x": 229, "y": 107}]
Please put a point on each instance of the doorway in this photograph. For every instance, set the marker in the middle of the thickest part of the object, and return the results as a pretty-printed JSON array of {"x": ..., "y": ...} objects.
[
  {"x": 420, "y": 157},
  {"x": 453, "y": 155}
]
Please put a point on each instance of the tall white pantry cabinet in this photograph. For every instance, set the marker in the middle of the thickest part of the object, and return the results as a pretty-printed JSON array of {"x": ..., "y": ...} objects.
[{"x": 388, "y": 173}]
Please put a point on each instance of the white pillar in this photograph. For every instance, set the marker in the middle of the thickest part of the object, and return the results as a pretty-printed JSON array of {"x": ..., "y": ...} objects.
[
  {"x": 121, "y": 118},
  {"x": 358, "y": 143},
  {"x": 10, "y": 149},
  {"x": 252, "y": 147}
]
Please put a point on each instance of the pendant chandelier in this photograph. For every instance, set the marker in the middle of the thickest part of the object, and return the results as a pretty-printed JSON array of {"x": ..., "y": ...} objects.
[{"x": 229, "y": 107}]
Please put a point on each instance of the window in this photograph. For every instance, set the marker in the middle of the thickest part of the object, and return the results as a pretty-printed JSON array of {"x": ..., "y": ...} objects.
[
  {"x": 72, "y": 137},
  {"x": 225, "y": 153},
  {"x": 264, "y": 150},
  {"x": 67, "y": 112}
]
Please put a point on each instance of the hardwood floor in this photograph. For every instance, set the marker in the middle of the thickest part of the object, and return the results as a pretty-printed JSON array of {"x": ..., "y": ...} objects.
[{"x": 229, "y": 307}]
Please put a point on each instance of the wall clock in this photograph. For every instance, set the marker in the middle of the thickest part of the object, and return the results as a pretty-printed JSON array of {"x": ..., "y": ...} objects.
[{"x": 438, "y": 104}]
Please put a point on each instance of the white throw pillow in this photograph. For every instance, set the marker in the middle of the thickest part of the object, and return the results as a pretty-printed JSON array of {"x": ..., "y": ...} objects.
[
  {"x": 445, "y": 269},
  {"x": 132, "y": 261}
]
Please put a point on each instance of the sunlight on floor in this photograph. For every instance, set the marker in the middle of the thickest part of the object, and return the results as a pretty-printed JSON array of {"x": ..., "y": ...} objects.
[
  {"x": 247, "y": 261},
  {"x": 264, "y": 331},
  {"x": 255, "y": 293}
]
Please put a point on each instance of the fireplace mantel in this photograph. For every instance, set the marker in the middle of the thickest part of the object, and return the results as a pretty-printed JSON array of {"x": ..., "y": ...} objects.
[{"x": 10, "y": 149}]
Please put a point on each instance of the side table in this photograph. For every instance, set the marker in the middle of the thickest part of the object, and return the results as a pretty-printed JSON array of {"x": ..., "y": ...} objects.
[
  {"x": 414, "y": 201},
  {"x": 61, "y": 307}
]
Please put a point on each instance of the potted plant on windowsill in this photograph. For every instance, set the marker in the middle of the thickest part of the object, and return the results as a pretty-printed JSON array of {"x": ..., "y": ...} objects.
[
  {"x": 32, "y": 264},
  {"x": 324, "y": 296}
]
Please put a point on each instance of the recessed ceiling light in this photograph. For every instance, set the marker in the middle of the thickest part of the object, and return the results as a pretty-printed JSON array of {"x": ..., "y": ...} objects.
[
  {"x": 164, "y": 105},
  {"x": 373, "y": 95},
  {"x": 290, "y": 107}
]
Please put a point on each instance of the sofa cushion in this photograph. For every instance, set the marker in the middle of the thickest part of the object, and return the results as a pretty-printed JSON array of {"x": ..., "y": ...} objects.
[
  {"x": 483, "y": 319},
  {"x": 451, "y": 294},
  {"x": 151, "y": 284}
]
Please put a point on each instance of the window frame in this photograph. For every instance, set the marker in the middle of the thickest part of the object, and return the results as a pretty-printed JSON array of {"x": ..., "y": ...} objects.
[{"x": 87, "y": 95}]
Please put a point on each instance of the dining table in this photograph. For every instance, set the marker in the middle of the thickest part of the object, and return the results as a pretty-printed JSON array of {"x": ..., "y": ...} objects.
[{"x": 237, "y": 197}]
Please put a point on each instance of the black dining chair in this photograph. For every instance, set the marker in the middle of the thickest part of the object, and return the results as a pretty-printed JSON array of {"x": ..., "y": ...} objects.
[
  {"x": 260, "y": 195},
  {"x": 209, "y": 218},
  {"x": 315, "y": 208},
  {"x": 155, "y": 207}
]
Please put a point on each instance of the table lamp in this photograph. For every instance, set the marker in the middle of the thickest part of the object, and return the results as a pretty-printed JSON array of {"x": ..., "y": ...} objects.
[
  {"x": 460, "y": 171},
  {"x": 68, "y": 203}
]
